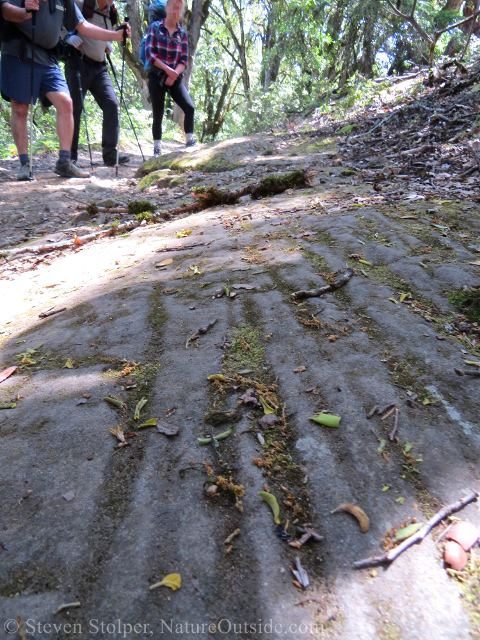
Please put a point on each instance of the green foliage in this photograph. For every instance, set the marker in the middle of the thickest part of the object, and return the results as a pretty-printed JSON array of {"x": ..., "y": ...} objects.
[{"x": 468, "y": 302}]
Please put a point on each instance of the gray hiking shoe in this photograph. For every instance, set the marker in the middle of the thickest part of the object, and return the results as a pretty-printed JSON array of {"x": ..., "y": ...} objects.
[
  {"x": 70, "y": 170},
  {"x": 191, "y": 143},
  {"x": 24, "y": 173}
]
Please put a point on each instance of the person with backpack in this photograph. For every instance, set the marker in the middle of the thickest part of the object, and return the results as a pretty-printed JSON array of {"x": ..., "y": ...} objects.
[
  {"x": 166, "y": 51},
  {"x": 18, "y": 64},
  {"x": 86, "y": 56}
]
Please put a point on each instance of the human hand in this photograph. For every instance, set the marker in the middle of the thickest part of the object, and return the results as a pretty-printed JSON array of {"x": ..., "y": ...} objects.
[
  {"x": 108, "y": 48},
  {"x": 171, "y": 73},
  {"x": 74, "y": 41},
  {"x": 169, "y": 82},
  {"x": 118, "y": 34},
  {"x": 31, "y": 5}
]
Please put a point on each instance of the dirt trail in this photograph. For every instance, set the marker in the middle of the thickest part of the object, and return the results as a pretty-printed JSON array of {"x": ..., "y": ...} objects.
[{"x": 141, "y": 512}]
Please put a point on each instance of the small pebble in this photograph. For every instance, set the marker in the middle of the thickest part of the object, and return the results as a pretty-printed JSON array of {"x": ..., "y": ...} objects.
[
  {"x": 191, "y": 308},
  {"x": 89, "y": 457}
]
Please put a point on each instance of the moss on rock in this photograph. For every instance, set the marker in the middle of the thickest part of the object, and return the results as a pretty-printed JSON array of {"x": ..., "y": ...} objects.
[
  {"x": 152, "y": 178},
  {"x": 220, "y": 156}
]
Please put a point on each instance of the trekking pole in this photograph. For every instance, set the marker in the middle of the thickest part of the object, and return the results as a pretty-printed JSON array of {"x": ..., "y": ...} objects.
[
  {"x": 125, "y": 105},
  {"x": 79, "y": 76},
  {"x": 34, "y": 20},
  {"x": 121, "y": 94}
]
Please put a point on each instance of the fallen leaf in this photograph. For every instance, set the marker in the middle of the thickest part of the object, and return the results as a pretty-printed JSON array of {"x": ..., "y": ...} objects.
[
  {"x": 266, "y": 407},
  {"x": 140, "y": 404},
  {"x": 164, "y": 263},
  {"x": 327, "y": 420},
  {"x": 76, "y": 241},
  {"x": 68, "y": 364},
  {"x": 403, "y": 534},
  {"x": 381, "y": 448},
  {"x": 271, "y": 500},
  {"x": 301, "y": 575},
  {"x": 149, "y": 423},
  {"x": 6, "y": 373},
  {"x": 400, "y": 500},
  {"x": 393, "y": 300},
  {"x": 385, "y": 487},
  {"x": 70, "y": 495},
  {"x": 267, "y": 421},
  {"x": 359, "y": 514},
  {"x": 10, "y": 405},
  {"x": 173, "y": 581},
  {"x": 300, "y": 369},
  {"x": 184, "y": 233},
  {"x": 217, "y": 376},
  {"x": 116, "y": 402},
  {"x": 408, "y": 447}
]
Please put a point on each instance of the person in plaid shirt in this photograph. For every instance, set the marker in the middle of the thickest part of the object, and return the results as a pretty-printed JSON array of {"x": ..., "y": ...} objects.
[{"x": 166, "y": 50}]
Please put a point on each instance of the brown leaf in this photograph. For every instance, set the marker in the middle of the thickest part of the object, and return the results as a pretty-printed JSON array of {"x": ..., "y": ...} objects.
[
  {"x": 76, "y": 241},
  {"x": 300, "y": 369},
  {"x": 164, "y": 263},
  {"x": 268, "y": 420}
]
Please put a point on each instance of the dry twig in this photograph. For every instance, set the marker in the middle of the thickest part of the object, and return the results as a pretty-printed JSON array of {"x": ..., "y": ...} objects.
[
  {"x": 314, "y": 293},
  {"x": 391, "y": 555}
]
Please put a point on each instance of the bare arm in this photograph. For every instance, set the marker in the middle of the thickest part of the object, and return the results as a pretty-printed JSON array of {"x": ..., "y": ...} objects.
[
  {"x": 92, "y": 31},
  {"x": 13, "y": 13}
]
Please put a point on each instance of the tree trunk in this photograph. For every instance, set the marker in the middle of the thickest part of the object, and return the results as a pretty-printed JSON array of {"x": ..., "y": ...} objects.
[
  {"x": 194, "y": 19},
  {"x": 135, "y": 12}
]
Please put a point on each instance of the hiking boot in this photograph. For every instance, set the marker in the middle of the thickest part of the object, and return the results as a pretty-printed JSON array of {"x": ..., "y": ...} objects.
[
  {"x": 191, "y": 143},
  {"x": 157, "y": 152},
  {"x": 24, "y": 173},
  {"x": 110, "y": 159},
  {"x": 69, "y": 169}
]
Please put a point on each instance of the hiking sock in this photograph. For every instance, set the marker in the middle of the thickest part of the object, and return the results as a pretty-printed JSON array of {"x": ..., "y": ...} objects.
[
  {"x": 24, "y": 158},
  {"x": 188, "y": 137},
  {"x": 157, "y": 146},
  {"x": 64, "y": 156}
]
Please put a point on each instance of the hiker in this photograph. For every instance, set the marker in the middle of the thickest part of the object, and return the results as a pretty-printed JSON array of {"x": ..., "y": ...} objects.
[
  {"x": 166, "y": 50},
  {"x": 49, "y": 83},
  {"x": 87, "y": 56}
]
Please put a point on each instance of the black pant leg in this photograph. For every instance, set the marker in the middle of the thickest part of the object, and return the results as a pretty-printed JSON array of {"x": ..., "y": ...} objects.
[
  {"x": 72, "y": 65},
  {"x": 157, "y": 96},
  {"x": 180, "y": 95},
  {"x": 102, "y": 90}
]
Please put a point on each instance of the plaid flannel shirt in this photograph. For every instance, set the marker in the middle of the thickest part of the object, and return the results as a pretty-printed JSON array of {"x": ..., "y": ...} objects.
[{"x": 169, "y": 49}]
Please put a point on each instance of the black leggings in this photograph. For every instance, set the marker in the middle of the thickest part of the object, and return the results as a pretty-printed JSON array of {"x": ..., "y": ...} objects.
[{"x": 180, "y": 96}]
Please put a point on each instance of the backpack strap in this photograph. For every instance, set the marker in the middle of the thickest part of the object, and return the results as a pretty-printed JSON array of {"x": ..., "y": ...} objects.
[{"x": 88, "y": 9}]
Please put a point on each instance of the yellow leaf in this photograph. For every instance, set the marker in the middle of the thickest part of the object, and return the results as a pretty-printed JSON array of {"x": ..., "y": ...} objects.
[
  {"x": 273, "y": 504},
  {"x": 393, "y": 300},
  {"x": 149, "y": 423},
  {"x": 164, "y": 263},
  {"x": 184, "y": 233},
  {"x": 266, "y": 407},
  {"x": 400, "y": 500},
  {"x": 385, "y": 487},
  {"x": 68, "y": 364},
  {"x": 217, "y": 376},
  {"x": 173, "y": 581}
]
